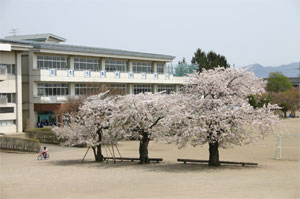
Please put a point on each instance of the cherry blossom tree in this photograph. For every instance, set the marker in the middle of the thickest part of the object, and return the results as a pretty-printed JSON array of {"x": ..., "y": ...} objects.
[
  {"x": 144, "y": 115},
  {"x": 213, "y": 108},
  {"x": 107, "y": 119},
  {"x": 96, "y": 122}
]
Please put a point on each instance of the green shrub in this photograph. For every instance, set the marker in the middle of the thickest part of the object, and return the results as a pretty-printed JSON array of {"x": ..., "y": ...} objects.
[
  {"x": 20, "y": 144},
  {"x": 44, "y": 135}
]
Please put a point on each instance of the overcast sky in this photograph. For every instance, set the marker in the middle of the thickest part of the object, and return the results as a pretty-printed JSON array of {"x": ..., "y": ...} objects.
[{"x": 244, "y": 31}]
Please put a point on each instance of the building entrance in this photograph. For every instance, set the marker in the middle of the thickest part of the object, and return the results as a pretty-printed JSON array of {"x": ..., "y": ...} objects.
[{"x": 47, "y": 118}]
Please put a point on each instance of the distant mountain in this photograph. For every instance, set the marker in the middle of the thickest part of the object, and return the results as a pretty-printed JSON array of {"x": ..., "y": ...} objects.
[{"x": 289, "y": 70}]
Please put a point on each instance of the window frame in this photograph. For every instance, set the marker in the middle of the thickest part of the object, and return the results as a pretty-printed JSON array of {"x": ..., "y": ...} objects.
[
  {"x": 52, "y": 89},
  {"x": 113, "y": 65},
  {"x": 87, "y": 89},
  {"x": 160, "y": 68},
  {"x": 52, "y": 62},
  {"x": 142, "y": 67},
  {"x": 84, "y": 63},
  {"x": 142, "y": 88},
  {"x": 166, "y": 87}
]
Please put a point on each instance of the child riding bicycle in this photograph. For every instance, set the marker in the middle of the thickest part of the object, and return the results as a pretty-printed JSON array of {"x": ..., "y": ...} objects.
[{"x": 45, "y": 152}]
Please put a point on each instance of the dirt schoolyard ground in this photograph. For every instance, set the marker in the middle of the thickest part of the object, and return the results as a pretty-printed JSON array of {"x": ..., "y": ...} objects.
[{"x": 63, "y": 175}]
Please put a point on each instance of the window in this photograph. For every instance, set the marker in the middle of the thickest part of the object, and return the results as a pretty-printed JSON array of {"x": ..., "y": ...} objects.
[
  {"x": 87, "y": 89},
  {"x": 142, "y": 88},
  {"x": 9, "y": 97},
  {"x": 10, "y": 68},
  {"x": 167, "y": 88},
  {"x": 142, "y": 67},
  {"x": 90, "y": 64},
  {"x": 117, "y": 88},
  {"x": 7, "y": 122},
  {"x": 160, "y": 68},
  {"x": 6, "y": 109},
  {"x": 47, "y": 62},
  {"x": 52, "y": 89},
  {"x": 115, "y": 65}
]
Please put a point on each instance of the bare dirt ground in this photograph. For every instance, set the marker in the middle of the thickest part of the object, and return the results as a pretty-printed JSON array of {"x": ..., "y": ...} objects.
[{"x": 63, "y": 176}]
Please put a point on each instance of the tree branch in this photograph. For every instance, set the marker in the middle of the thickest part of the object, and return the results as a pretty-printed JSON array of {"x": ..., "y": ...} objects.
[
  {"x": 156, "y": 122},
  {"x": 231, "y": 81}
]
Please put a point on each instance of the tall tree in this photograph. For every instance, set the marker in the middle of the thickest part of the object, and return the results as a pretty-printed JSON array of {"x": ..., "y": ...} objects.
[
  {"x": 277, "y": 82},
  {"x": 220, "y": 113},
  {"x": 97, "y": 122},
  {"x": 210, "y": 60},
  {"x": 288, "y": 101},
  {"x": 144, "y": 115}
]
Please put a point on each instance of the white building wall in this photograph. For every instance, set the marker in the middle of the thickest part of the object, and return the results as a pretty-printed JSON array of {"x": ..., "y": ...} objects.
[
  {"x": 9, "y": 85},
  {"x": 7, "y": 57},
  {"x": 8, "y": 129},
  {"x": 9, "y": 116}
]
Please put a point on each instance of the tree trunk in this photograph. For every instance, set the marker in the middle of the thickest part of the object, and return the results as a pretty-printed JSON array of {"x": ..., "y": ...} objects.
[
  {"x": 284, "y": 113},
  {"x": 98, "y": 150},
  {"x": 144, "y": 148},
  {"x": 214, "y": 154},
  {"x": 98, "y": 154}
]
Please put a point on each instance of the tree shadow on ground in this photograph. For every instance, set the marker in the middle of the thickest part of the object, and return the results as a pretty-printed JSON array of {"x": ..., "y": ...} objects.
[{"x": 169, "y": 167}]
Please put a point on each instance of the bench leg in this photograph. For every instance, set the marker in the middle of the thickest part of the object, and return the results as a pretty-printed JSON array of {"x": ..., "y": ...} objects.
[{"x": 184, "y": 162}]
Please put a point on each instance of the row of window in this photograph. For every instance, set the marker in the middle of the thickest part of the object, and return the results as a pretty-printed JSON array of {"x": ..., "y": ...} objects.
[
  {"x": 166, "y": 88},
  {"x": 10, "y": 69},
  {"x": 115, "y": 65},
  {"x": 7, "y": 122},
  {"x": 91, "y": 89},
  {"x": 87, "y": 89},
  {"x": 93, "y": 64},
  {"x": 8, "y": 97},
  {"x": 119, "y": 88},
  {"x": 142, "y": 67},
  {"x": 143, "y": 88},
  {"x": 86, "y": 64},
  {"x": 57, "y": 62},
  {"x": 60, "y": 89},
  {"x": 53, "y": 89}
]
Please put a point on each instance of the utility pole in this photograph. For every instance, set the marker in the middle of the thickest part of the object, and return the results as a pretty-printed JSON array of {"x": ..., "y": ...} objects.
[{"x": 14, "y": 31}]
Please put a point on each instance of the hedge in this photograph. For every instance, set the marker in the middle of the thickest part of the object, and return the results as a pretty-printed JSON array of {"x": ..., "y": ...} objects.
[
  {"x": 20, "y": 144},
  {"x": 44, "y": 135}
]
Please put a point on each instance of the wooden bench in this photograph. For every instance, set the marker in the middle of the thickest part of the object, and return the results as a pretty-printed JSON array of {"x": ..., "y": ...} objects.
[
  {"x": 221, "y": 162},
  {"x": 133, "y": 159}
]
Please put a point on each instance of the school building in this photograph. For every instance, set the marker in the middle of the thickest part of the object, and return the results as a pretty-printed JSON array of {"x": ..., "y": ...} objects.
[{"x": 38, "y": 73}]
